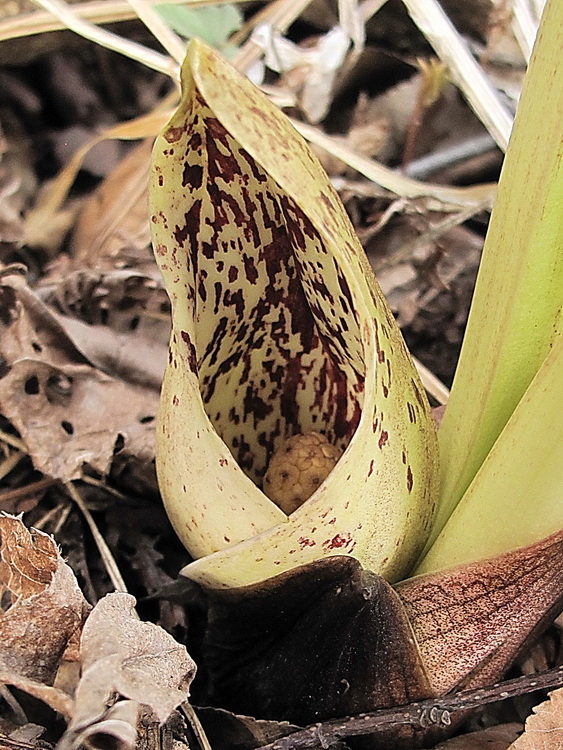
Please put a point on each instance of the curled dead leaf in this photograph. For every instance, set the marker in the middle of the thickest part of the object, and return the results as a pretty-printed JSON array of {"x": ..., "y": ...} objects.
[
  {"x": 119, "y": 320},
  {"x": 42, "y": 604},
  {"x": 544, "y": 728},
  {"x": 126, "y": 663}
]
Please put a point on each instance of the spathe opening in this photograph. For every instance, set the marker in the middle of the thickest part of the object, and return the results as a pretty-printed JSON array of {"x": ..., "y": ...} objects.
[{"x": 278, "y": 340}]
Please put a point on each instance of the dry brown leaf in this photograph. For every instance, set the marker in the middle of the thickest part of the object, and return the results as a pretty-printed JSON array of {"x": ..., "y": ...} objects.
[
  {"x": 544, "y": 728},
  {"x": 75, "y": 415},
  {"x": 113, "y": 224},
  {"x": 135, "y": 359},
  {"x": 119, "y": 320},
  {"x": 52, "y": 696},
  {"x": 67, "y": 412},
  {"x": 48, "y": 210},
  {"x": 124, "y": 658},
  {"x": 28, "y": 329},
  {"x": 42, "y": 604}
]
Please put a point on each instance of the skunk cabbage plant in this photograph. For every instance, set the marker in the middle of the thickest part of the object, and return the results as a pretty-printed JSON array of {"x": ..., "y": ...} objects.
[{"x": 280, "y": 330}]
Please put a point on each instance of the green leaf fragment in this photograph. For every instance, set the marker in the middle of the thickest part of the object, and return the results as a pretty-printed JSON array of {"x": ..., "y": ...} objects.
[{"x": 213, "y": 24}]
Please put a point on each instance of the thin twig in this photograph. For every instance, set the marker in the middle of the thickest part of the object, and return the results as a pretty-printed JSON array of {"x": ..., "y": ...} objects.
[
  {"x": 20, "y": 493},
  {"x": 196, "y": 726},
  {"x": 109, "y": 40},
  {"x": 14, "y": 441},
  {"x": 96, "y": 11},
  {"x": 424, "y": 166},
  {"x": 432, "y": 234},
  {"x": 13, "y": 704},
  {"x": 105, "y": 552},
  {"x": 432, "y": 384},
  {"x": 93, "y": 482},
  {"x": 525, "y": 27},
  {"x": 10, "y": 463},
  {"x": 47, "y": 517},
  {"x": 389, "y": 179},
  {"x": 464, "y": 70},
  {"x": 154, "y": 22},
  {"x": 420, "y": 714}
]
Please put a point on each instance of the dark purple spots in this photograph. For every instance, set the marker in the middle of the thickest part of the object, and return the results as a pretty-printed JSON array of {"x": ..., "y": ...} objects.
[
  {"x": 385, "y": 390},
  {"x": 259, "y": 176},
  {"x": 160, "y": 180},
  {"x": 345, "y": 289},
  {"x": 220, "y": 164},
  {"x": 241, "y": 336},
  {"x": 380, "y": 352},
  {"x": 233, "y": 274},
  {"x": 409, "y": 479},
  {"x": 208, "y": 250},
  {"x": 191, "y": 227},
  {"x": 173, "y": 134},
  {"x": 201, "y": 288},
  {"x": 192, "y": 176},
  {"x": 328, "y": 202},
  {"x": 192, "y": 355},
  {"x": 236, "y": 300},
  {"x": 383, "y": 438},
  {"x": 306, "y": 542},
  {"x": 255, "y": 406},
  {"x": 337, "y": 542},
  {"x": 412, "y": 412},
  {"x": 269, "y": 209},
  {"x": 194, "y": 142},
  {"x": 250, "y": 270},
  {"x": 251, "y": 231},
  {"x": 223, "y": 462},
  {"x": 218, "y": 287},
  {"x": 418, "y": 393}
]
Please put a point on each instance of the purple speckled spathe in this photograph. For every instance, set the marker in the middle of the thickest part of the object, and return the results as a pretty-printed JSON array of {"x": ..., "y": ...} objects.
[{"x": 285, "y": 342}]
